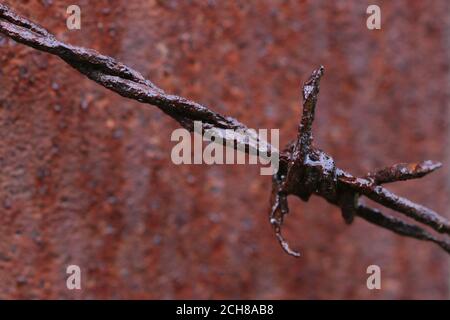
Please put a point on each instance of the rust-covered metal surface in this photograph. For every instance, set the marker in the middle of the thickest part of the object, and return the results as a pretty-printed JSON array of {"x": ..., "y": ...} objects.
[{"x": 86, "y": 176}]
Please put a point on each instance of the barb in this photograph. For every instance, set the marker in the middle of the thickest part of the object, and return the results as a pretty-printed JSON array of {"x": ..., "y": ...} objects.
[
  {"x": 303, "y": 169},
  {"x": 306, "y": 170},
  {"x": 403, "y": 171}
]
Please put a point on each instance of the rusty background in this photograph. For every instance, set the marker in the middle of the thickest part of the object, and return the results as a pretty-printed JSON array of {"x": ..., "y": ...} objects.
[{"x": 86, "y": 176}]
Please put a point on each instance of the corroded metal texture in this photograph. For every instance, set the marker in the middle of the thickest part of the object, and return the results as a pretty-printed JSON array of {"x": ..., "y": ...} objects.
[
  {"x": 86, "y": 176},
  {"x": 304, "y": 169}
]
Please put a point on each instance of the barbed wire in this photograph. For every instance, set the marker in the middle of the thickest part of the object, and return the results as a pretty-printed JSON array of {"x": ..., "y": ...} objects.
[{"x": 304, "y": 170}]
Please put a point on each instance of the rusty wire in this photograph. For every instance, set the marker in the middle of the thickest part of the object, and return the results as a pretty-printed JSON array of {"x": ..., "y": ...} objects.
[{"x": 303, "y": 169}]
